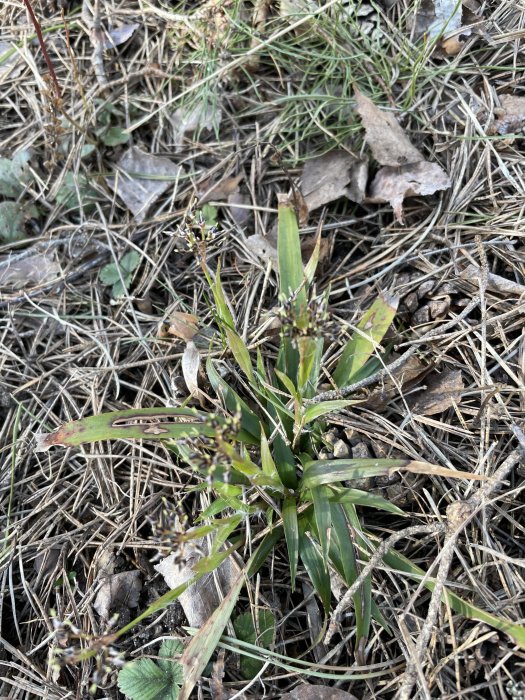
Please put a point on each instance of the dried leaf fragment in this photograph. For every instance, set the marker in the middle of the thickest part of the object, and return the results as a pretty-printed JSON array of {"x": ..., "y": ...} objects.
[
  {"x": 118, "y": 591},
  {"x": 305, "y": 691},
  {"x": 510, "y": 116},
  {"x": 183, "y": 325},
  {"x": 142, "y": 179},
  {"x": 191, "y": 361},
  {"x": 333, "y": 175},
  {"x": 119, "y": 35},
  {"x": 394, "y": 184},
  {"x": 442, "y": 391},
  {"x": 37, "y": 269},
  {"x": 387, "y": 140}
]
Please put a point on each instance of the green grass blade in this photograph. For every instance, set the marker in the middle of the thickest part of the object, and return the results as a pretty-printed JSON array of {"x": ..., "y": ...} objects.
[
  {"x": 201, "y": 648},
  {"x": 323, "y": 519},
  {"x": 468, "y": 610},
  {"x": 267, "y": 463},
  {"x": 261, "y": 554},
  {"x": 370, "y": 331},
  {"x": 364, "y": 498},
  {"x": 232, "y": 400},
  {"x": 291, "y": 271},
  {"x": 285, "y": 463},
  {"x": 291, "y": 533},
  {"x": 315, "y": 566},
  {"x": 310, "y": 354},
  {"x": 135, "y": 423},
  {"x": 321, "y": 409},
  {"x": 331, "y": 471},
  {"x": 364, "y": 614}
]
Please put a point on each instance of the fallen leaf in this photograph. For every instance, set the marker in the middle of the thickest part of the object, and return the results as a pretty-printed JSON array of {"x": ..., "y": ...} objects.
[
  {"x": 510, "y": 116},
  {"x": 202, "y": 598},
  {"x": 306, "y": 691},
  {"x": 308, "y": 244},
  {"x": 191, "y": 361},
  {"x": 387, "y": 140},
  {"x": 187, "y": 120},
  {"x": 220, "y": 190},
  {"x": 46, "y": 561},
  {"x": 26, "y": 272},
  {"x": 119, "y": 35},
  {"x": 142, "y": 179},
  {"x": 183, "y": 325},
  {"x": 412, "y": 371},
  {"x": 442, "y": 391},
  {"x": 263, "y": 248},
  {"x": 435, "y": 17},
  {"x": 239, "y": 208},
  {"x": 13, "y": 216},
  {"x": 331, "y": 176},
  {"x": 496, "y": 283},
  {"x": 14, "y": 174},
  {"x": 118, "y": 591},
  {"x": 394, "y": 184}
]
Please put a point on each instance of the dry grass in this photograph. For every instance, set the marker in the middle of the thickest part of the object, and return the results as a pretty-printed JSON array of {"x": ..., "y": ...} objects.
[{"x": 67, "y": 351}]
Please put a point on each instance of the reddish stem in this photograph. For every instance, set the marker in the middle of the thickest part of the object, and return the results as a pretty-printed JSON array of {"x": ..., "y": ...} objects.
[{"x": 49, "y": 63}]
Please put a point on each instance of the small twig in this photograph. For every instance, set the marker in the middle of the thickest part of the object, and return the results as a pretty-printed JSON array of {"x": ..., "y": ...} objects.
[
  {"x": 459, "y": 514},
  {"x": 91, "y": 17},
  {"x": 388, "y": 370},
  {"x": 374, "y": 560}
]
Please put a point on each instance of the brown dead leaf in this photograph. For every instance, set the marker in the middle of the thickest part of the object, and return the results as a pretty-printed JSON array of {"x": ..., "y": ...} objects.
[
  {"x": 202, "y": 598},
  {"x": 220, "y": 190},
  {"x": 387, "y": 140},
  {"x": 306, "y": 691},
  {"x": 183, "y": 325},
  {"x": 510, "y": 116},
  {"x": 118, "y": 591},
  {"x": 442, "y": 391},
  {"x": 142, "y": 178},
  {"x": 119, "y": 35},
  {"x": 408, "y": 374},
  {"x": 308, "y": 244},
  {"x": 239, "y": 208},
  {"x": 394, "y": 184},
  {"x": 333, "y": 175},
  {"x": 37, "y": 269}
]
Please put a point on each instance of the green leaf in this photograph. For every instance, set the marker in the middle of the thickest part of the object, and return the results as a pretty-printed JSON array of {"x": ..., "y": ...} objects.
[
  {"x": 145, "y": 680},
  {"x": 119, "y": 289},
  {"x": 315, "y": 566},
  {"x": 109, "y": 274},
  {"x": 362, "y": 498},
  {"x": 322, "y": 518},
  {"x": 246, "y": 631},
  {"x": 232, "y": 400},
  {"x": 209, "y": 214},
  {"x": 267, "y": 463},
  {"x": 135, "y": 423},
  {"x": 291, "y": 533},
  {"x": 130, "y": 261},
  {"x": 366, "y": 337},
  {"x": 200, "y": 649},
  {"x": 14, "y": 174},
  {"x": 291, "y": 272},
  {"x": 115, "y": 136},
  {"x": 11, "y": 222},
  {"x": 169, "y": 649},
  {"x": 364, "y": 611},
  {"x": 310, "y": 354},
  {"x": 311, "y": 265},
  {"x": 75, "y": 191},
  {"x": 321, "y": 409}
]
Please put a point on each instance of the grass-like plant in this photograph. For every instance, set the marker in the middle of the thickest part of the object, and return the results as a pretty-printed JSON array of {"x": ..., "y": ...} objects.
[{"x": 259, "y": 453}]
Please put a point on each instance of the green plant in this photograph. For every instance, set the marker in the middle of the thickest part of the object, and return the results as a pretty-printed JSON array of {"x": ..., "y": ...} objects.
[
  {"x": 262, "y": 449},
  {"x": 119, "y": 275},
  {"x": 145, "y": 679},
  {"x": 260, "y": 631}
]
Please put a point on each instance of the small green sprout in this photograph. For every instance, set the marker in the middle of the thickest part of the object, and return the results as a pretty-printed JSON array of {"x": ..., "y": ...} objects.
[
  {"x": 145, "y": 679},
  {"x": 120, "y": 274}
]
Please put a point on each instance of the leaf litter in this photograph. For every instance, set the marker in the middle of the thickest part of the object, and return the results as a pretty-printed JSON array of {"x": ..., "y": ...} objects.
[{"x": 406, "y": 173}]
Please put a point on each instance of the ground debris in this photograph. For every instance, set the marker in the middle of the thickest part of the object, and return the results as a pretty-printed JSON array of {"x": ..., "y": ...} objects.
[{"x": 334, "y": 175}]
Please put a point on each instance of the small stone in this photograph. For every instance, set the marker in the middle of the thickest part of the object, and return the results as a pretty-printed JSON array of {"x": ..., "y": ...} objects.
[
  {"x": 411, "y": 302},
  {"x": 439, "y": 307},
  {"x": 324, "y": 454},
  {"x": 421, "y": 316},
  {"x": 331, "y": 436},
  {"x": 425, "y": 288},
  {"x": 341, "y": 449},
  {"x": 349, "y": 433},
  {"x": 360, "y": 451}
]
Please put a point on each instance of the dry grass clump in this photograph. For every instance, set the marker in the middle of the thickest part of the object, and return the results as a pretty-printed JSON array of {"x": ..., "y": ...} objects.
[{"x": 261, "y": 97}]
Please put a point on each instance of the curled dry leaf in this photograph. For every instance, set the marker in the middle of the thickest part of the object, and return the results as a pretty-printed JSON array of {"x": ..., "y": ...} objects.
[
  {"x": 142, "y": 179},
  {"x": 201, "y": 599},
  {"x": 387, "y": 140},
  {"x": 183, "y": 325},
  {"x": 442, "y": 391},
  {"x": 239, "y": 208},
  {"x": 26, "y": 272},
  {"x": 119, "y": 35},
  {"x": 394, "y": 184},
  {"x": 191, "y": 361},
  {"x": 220, "y": 190},
  {"x": 334, "y": 175},
  {"x": 263, "y": 248},
  {"x": 118, "y": 591},
  {"x": 510, "y": 116}
]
